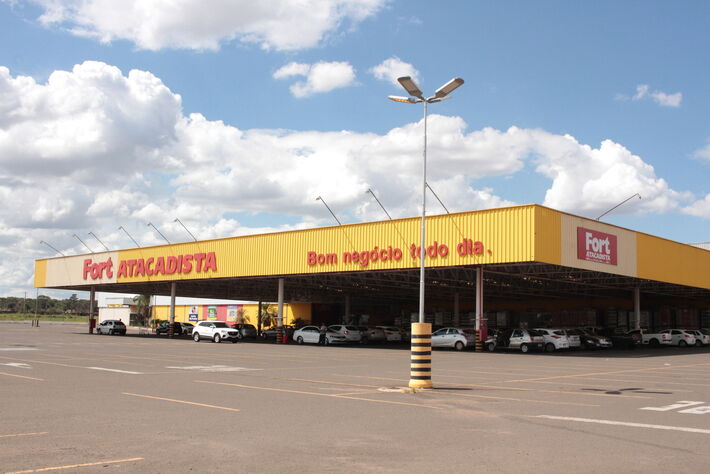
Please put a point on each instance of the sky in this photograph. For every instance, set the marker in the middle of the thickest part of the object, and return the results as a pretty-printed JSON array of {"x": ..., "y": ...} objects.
[{"x": 234, "y": 115}]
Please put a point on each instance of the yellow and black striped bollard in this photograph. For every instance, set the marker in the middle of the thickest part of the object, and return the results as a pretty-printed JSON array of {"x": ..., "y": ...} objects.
[{"x": 420, "y": 370}]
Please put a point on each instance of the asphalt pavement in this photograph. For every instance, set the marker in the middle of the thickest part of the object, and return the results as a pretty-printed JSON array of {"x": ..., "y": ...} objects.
[{"x": 75, "y": 402}]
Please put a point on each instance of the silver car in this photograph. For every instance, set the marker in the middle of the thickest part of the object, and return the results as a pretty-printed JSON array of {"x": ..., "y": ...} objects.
[{"x": 351, "y": 333}]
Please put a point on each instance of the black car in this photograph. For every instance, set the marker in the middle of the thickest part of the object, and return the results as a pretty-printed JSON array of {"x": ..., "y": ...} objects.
[
  {"x": 592, "y": 341},
  {"x": 621, "y": 340},
  {"x": 164, "y": 328},
  {"x": 270, "y": 334},
  {"x": 245, "y": 330}
]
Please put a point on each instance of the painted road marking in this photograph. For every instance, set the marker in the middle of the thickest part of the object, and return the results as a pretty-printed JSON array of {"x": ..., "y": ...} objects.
[
  {"x": 21, "y": 376},
  {"x": 24, "y": 434},
  {"x": 625, "y": 423},
  {"x": 331, "y": 395},
  {"x": 704, "y": 410},
  {"x": 20, "y": 365},
  {"x": 675, "y": 406},
  {"x": 18, "y": 349},
  {"x": 180, "y": 401},
  {"x": 116, "y": 370},
  {"x": 73, "y": 466},
  {"x": 213, "y": 368}
]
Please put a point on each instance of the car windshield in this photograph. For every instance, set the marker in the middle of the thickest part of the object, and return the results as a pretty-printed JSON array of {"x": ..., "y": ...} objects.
[
  {"x": 534, "y": 332},
  {"x": 220, "y": 325},
  {"x": 351, "y": 328},
  {"x": 558, "y": 333},
  {"x": 119, "y": 323}
]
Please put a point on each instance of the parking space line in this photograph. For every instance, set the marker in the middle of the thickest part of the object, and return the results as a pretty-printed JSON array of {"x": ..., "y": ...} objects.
[
  {"x": 73, "y": 466},
  {"x": 334, "y": 383},
  {"x": 180, "y": 401},
  {"x": 612, "y": 380},
  {"x": 21, "y": 376},
  {"x": 524, "y": 400},
  {"x": 24, "y": 434},
  {"x": 330, "y": 395},
  {"x": 625, "y": 423}
]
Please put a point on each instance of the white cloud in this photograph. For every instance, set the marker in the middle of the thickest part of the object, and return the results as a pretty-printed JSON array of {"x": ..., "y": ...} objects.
[
  {"x": 643, "y": 91},
  {"x": 392, "y": 68},
  {"x": 206, "y": 24},
  {"x": 94, "y": 148},
  {"x": 320, "y": 77},
  {"x": 699, "y": 208},
  {"x": 703, "y": 153}
]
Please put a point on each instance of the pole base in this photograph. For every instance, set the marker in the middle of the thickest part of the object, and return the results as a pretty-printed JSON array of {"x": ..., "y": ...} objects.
[{"x": 420, "y": 384}]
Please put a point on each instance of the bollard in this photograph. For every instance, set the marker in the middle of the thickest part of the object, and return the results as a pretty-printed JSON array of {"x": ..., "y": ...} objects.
[
  {"x": 420, "y": 364},
  {"x": 279, "y": 334}
]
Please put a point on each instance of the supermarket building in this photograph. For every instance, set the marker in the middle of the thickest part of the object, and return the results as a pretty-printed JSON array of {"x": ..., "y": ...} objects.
[{"x": 506, "y": 267}]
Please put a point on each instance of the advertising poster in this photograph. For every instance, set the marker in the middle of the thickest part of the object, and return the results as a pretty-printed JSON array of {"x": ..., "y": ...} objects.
[
  {"x": 194, "y": 312},
  {"x": 232, "y": 312},
  {"x": 212, "y": 312}
]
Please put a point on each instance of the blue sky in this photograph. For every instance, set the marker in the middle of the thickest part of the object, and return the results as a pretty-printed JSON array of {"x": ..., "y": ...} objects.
[{"x": 239, "y": 115}]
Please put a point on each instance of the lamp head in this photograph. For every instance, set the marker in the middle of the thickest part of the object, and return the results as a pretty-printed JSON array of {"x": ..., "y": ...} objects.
[
  {"x": 410, "y": 86},
  {"x": 406, "y": 100},
  {"x": 448, "y": 88}
]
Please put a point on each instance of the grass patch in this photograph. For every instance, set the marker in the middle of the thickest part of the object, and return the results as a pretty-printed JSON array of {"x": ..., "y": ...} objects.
[{"x": 69, "y": 318}]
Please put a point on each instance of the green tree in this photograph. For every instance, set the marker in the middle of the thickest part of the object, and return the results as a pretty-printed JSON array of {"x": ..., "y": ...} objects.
[{"x": 142, "y": 308}]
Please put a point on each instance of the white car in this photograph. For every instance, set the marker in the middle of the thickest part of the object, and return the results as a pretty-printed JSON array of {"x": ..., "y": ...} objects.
[
  {"x": 451, "y": 337},
  {"x": 392, "y": 333},
  {"x": 574, "y": 341},
  {"x": 351, "y": 333},
  {"x": 371, "y": 335},
  {"x": 555, "y": 339},
  {"x": 311, "y": 335},
  {"x": 215, "y": 331},
  {"x": 701, "y": 339},
  {"x": 681, "y": 337},
  {"x": 111, "y": 326}
]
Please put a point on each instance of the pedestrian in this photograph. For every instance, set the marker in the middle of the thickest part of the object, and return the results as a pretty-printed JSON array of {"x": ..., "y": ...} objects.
[{"x": 323, "y": 330}]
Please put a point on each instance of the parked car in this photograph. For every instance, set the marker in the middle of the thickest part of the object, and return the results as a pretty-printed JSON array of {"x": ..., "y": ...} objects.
[
  {"x": 164, "y": 328},
  {"x": 452, "y": 337},
  {"x": 700, "y": 338},
  {"x": 706, "y": 335},
  {"x": 311, "y": 335},
  {"x": 270, "y": 333},
  {"x": 651, "y": 338},
  {"x": 351, "y": 333},
  {"x": 681, "y": 337},
  {"x": 245, "y": 330},
  {"x": 187, "y": 328},
  {"x": 555, "y": 339},
  {"x": 111, "y": 326},
  {"x": 214, "y": 330},
  {"x": 592, "y": 341},
  {"x": 369, "y": 335},
  {"x": 574, "y": 341},
  {"x": 621, "y": 340},
  {"x": 392, "y": 333},
  {"x": 522, "y": 339}
]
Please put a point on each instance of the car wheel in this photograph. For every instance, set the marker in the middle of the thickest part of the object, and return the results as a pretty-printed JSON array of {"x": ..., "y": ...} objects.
[
  {"x": 196, "y": 336},
  {"x": 110, "y": 332},
  {"x": 364, "y": 341},
  {"x": 682, "y": 343},
  {"x": 299, "y": 340},
  {"x": 217, "y": 338},
  {"x": 459, "y": 346},
  {"x": 654, "y": 342},
  {"x": 491, "y": 347},
  {"x": 549, "y": 347},
  {"x": 234, "y": 341},
  {"x": 524, "y": 348},
  {"x": 698, "y": 343}
]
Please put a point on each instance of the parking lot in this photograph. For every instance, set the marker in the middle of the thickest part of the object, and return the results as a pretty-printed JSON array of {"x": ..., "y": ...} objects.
[{"x": 84, "y": 403}]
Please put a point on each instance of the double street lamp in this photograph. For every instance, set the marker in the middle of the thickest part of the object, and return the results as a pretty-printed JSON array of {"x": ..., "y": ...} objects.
[{"x": 415, "y": 97}]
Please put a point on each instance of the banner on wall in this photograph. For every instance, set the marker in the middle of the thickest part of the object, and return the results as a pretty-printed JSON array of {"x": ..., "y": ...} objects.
[
  {"x": 211, "y": 312},
  {"x": 232, "y": 312},
  {"x": 193, "y": 315}
]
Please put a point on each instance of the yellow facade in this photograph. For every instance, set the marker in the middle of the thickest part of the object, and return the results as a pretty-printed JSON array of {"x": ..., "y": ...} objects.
[
  {"x": 529, "y": 233},
  {"x": 292, "y": 312}
]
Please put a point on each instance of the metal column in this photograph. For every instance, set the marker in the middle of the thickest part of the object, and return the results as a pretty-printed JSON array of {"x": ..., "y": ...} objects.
[
  {"x": 457, "y": 315},
  {"x": 479, "y": 307},
  {"x": 92, "y": 295},
  {"x": 280, "y": 317},
  {"x": 347, "y": 310},
  {"x": 637, "y": 308},
  {"x": 173, "y": 289}
]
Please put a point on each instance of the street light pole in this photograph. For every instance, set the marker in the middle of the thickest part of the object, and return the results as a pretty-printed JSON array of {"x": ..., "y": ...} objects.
[{"x": 420, "y": 375}]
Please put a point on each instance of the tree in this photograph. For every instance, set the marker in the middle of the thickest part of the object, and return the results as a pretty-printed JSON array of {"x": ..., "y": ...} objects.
[{"x": 142, "y": 307}]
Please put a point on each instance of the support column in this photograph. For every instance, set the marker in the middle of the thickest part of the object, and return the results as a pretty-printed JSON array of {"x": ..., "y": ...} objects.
[
  {"x": 173, "y": 288},
  {"x": 479, "y": 308},
  {"x": 637, "y": 308},
  {"x": 280, "y": 317},
  {"x": 258, "y": 318},
  {"x": 457, "y": 315},
  {"x": 92, "y": 322},
  {"x": 347, "y": 310}
]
